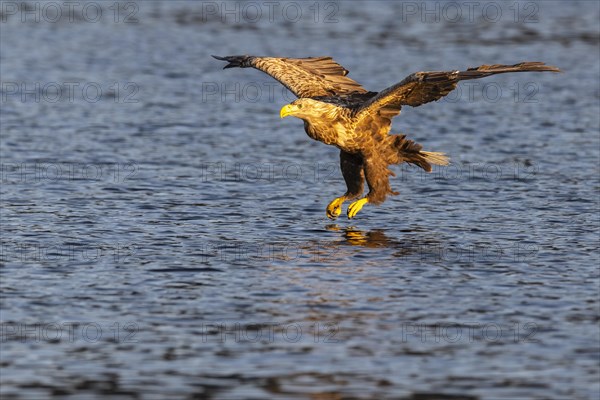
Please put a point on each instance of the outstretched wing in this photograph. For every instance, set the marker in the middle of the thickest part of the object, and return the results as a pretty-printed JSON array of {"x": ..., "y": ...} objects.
[
  {"x": 424, "y": 87},
  {"x": 305, "y": 77}
]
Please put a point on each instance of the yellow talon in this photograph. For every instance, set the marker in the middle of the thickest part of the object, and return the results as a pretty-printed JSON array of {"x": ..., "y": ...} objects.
[
  {"x": 355, "y": 207},
  {"x": 334, "y": 209}
]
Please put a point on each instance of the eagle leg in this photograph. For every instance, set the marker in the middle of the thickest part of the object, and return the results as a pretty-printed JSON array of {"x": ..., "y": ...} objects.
[
  {"x": 334, "y": 209},
  {"x": 355, "y": 207},
  {"x": 377, "y": 175},
  {"x": 352, "y": 170}
]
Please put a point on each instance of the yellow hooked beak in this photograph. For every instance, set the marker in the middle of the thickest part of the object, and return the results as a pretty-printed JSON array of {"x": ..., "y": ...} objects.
[{"x": 286, "y": 110}]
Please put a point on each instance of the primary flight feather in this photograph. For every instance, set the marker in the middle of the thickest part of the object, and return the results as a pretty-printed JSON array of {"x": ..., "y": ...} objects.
[{"x": 338, "y": 111}]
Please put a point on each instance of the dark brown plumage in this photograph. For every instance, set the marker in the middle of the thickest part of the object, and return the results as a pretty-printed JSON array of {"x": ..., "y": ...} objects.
[{"x": 338, "y": 111}]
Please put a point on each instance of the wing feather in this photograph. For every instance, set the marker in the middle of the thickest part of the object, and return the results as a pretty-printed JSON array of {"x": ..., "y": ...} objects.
[
  {"x": 424, "y": 87},
  {"x": 305, "y": 77}
]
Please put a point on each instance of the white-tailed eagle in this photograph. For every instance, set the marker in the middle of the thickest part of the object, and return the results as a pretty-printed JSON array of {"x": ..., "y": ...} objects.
[{"x": 338, "y": 111}]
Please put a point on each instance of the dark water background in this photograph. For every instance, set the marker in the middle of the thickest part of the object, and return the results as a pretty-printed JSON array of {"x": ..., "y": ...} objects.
[{"x": 164, "y": 234}]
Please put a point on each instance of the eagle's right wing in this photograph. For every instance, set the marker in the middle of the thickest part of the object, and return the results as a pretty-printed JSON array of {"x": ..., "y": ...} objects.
[
  {"x": 305, "y": 77},
  {"x": 424, "y": 87}
]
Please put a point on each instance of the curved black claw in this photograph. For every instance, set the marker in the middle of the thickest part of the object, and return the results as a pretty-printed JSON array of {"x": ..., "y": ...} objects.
[{"x": 334, "y": 209}]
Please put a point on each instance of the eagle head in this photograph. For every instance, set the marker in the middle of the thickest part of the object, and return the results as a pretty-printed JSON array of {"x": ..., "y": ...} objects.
[{"x": 302, "y": 108}]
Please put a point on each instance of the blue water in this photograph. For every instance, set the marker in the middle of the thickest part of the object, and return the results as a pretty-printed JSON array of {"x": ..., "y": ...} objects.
[{"x": 164, "y": 232}]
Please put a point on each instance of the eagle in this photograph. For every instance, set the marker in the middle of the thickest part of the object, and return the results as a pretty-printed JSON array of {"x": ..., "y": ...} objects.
[{"x": 338, "y": 111}]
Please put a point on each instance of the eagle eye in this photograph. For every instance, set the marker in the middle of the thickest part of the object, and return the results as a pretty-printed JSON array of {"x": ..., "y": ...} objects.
[{"x": 299, "y": 105}]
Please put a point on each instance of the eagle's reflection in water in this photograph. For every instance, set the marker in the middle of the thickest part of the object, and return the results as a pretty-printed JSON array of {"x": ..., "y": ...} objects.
[
  {"x": 357, "y": 237},
  {"x": 340, "y": 246},
  {"x": 409, "y": 244}
]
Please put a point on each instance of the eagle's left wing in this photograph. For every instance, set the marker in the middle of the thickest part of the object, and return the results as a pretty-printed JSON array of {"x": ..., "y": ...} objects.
[
  {"x": 305, "y": 77},
  {"x": 424, "y": 87}
]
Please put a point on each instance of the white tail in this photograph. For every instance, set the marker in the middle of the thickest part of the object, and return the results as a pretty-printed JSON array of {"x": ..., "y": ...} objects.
[{"x": 435, "y": 158}]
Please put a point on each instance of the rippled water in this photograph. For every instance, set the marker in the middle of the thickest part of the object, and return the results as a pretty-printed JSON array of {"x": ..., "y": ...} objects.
[{"x": 164, "y": 233}]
